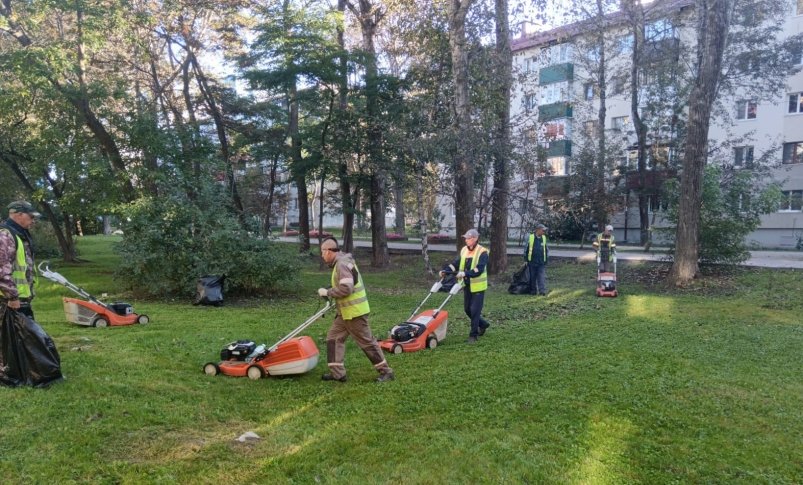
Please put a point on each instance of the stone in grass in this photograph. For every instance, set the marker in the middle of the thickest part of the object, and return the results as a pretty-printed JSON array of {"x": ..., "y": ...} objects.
[{"x": 248, "y": 436}]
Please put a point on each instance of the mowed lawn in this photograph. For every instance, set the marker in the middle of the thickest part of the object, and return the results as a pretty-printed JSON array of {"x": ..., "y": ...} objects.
[{"x": 703, "y": 385}]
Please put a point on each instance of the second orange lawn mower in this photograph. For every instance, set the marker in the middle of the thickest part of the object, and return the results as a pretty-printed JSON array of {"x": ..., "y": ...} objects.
[
  {"x": 94, "y": 312},
  {"x": 289, "y": 356},
  {"x": 425, "y": 330}
]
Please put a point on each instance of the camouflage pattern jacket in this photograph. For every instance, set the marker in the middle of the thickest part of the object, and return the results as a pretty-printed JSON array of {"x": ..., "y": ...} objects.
[{"x": 8, "y": 254}]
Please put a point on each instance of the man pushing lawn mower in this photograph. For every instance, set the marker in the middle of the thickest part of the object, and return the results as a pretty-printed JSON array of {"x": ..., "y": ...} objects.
[{"x": 351, "y": 300}]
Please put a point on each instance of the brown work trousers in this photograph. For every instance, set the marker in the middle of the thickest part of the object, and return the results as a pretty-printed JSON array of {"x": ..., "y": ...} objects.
[{"x": 336, "y": 345}]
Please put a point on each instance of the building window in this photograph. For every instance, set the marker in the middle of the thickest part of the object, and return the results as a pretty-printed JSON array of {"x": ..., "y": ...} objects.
[
  {"x": 796, "y": 102},
  {"x": 553, "y": 93},
  {"x": 590, "y": 128},
  {"x": 618, "y": 85},
  {"x": 746, "y": 110},
  {"x": 560, "y": 53},
  {"x": 556, "y": 165},
  {"x": 588, "y": 90},
  {"x": 743, "y": 156},
  {"x": 792, "y": 201},
  {"x": 530, "y": 65},
  {"x": 659, "y": 29},
  {"x": 793, "y": 152},
  {"x": 529, "y": 102},
  {"x": 620, "y": 123},
  {"x": 624, "y": 44},
  {"x": 554, "y": 130},
  {"x": 800, "y": 7}
]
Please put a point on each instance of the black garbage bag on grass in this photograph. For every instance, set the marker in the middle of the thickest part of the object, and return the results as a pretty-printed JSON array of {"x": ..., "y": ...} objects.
[
  {"x": 210, "y": 290},
  {"x": 28, "y": 356},
  {"x": 521, "y": 282}
]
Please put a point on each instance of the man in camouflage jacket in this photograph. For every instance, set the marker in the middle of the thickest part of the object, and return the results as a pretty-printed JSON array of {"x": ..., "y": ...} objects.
[{"x": 16, "y": 267}]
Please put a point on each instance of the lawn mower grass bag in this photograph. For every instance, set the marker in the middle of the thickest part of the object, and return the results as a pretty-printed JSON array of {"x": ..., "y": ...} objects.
[
  {"x": 521, "y": 282},
  {"x": 210, "y": 290},
  {"x": 28, "y": 356}
]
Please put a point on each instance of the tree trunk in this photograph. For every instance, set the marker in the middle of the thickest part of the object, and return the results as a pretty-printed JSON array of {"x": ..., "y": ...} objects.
[
  {"x": 370, "y": 16},
  {"x": 501, "y": 181},
  {"x": 713, "y": 23},
  {"x": 461, "y": 128},
  {"x": 422, "y": 218},
  {"x": 599, "y": 211}
]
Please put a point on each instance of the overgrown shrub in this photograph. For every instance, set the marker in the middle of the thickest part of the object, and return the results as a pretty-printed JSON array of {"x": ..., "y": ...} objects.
[
  {"x": 45, "y": 244},
  {"x": 169, "y": 243},
  {"x": 733, "y": 202}
]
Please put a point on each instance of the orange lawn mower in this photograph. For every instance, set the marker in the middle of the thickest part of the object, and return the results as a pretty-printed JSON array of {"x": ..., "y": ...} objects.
[
  {"x": 606, "y": 280},
  {"x": 92, "y": 313},
  {"x": 289, "y": 356},
  {"x": 425, "y": 330}
]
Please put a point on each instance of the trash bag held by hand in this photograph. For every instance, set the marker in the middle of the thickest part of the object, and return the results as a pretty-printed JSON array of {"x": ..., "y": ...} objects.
[
  {"x": 28, "y": 356},
  {"x": 521, "y": 282},
  {"x": 210, "y": 290}
]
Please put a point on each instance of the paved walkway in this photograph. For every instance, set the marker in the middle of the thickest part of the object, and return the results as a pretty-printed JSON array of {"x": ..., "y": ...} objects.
[{"x": 765, "y": 259}]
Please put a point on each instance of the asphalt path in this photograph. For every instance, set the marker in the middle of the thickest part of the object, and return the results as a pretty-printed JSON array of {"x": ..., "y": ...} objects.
[{"x": 764, "y": 259}]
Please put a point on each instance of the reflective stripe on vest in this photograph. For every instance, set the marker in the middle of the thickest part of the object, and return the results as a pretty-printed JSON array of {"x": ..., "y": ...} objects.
[
  {"x": 532, "y": 245},
  {"x": 356, "y": 304},
  {"x": 19, "y": 270},
  {"x": 480, "y": 283}
]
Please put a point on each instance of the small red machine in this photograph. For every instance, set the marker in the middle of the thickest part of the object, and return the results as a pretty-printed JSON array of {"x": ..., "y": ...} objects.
[
  {"x": 425, "y": 330},
  {"x": 606, "y": 281},
  {"x": 94, "y": 312},
  {"x": 289, "y": 356}
]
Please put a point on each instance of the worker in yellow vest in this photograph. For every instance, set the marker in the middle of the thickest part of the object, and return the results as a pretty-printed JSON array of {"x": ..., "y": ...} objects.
[
  {"x": 536, "y": 254},
  {"x": 16, "y": 257},
  {"x": 472, "y": 267},
  {"x": 605, "y": 244},
  {"x": 349, "y": 293}
]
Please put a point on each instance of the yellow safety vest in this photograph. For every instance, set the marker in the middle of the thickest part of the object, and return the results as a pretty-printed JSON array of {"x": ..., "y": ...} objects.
[
  {"x": 532, "y": 245},
  {"x": 480, "y": 283},
  {"x": 19, "y": 270},
  {"x": 611, "y": 244},
  {"x": 356, "y": 304}
]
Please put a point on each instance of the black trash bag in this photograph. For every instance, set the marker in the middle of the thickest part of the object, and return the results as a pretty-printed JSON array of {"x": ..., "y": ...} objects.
[
  {"x": 28, "y": 356},
  {"x": 521, "y": 282},
  {"x": 210, "y": 290}
]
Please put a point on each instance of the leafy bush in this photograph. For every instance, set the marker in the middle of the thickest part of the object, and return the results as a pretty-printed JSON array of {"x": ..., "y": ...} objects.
[
  {"x": 733, "y": 202},
  {"x": 45, "y": 244},
  {"x": 169, "y": 243}
]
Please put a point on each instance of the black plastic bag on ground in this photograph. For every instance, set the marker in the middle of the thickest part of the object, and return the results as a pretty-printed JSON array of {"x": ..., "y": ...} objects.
[
  {"x": 28, "y": 356},
  {"x": 210, "y": 290},
  {"x": 521, "y": 282}
]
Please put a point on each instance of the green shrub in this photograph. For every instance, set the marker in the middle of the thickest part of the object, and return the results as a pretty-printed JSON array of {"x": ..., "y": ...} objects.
[
  {"x": 733, "y": 202},
  {"x": 169, "y": 242},
  {"x": 45, "y": 244}
]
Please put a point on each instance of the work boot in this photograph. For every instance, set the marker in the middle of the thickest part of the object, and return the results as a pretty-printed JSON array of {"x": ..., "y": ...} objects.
[
  {"x": 330, "y": 377},
  {"x": 387, "y": 376},
  {"x": 482, "y": 331},
  {"x": 471, "y": 340}
]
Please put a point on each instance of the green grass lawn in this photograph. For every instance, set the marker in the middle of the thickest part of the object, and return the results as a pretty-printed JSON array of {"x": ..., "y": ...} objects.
[{"x": 703, "y": 385}]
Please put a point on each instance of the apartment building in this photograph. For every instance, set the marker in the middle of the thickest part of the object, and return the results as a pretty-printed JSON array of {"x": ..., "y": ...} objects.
[{"x": 555, "y": 106}]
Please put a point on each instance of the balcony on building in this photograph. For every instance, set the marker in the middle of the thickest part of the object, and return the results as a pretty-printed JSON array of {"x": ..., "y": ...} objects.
[
  {"x": 556, "y": 73},
  {"x": 553, "y": 111}
]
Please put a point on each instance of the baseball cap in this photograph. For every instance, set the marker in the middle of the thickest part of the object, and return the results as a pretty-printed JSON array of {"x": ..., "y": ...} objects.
[
  {"x": 541, "y": 226},
  {"x": 22, "y": 207},
  {"x": 609, "y": 227},
  {"x": 471, "y": 233}
]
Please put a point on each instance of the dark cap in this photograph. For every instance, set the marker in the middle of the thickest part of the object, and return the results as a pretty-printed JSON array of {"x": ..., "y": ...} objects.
[{"x": 22, "y": 207}]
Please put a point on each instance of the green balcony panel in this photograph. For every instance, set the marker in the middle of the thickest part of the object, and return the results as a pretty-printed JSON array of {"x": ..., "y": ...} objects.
[
  {"x": 556, "y": 73},
  {"x": 554, "y": 111},
  {"x": 560, "y": 148}
]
